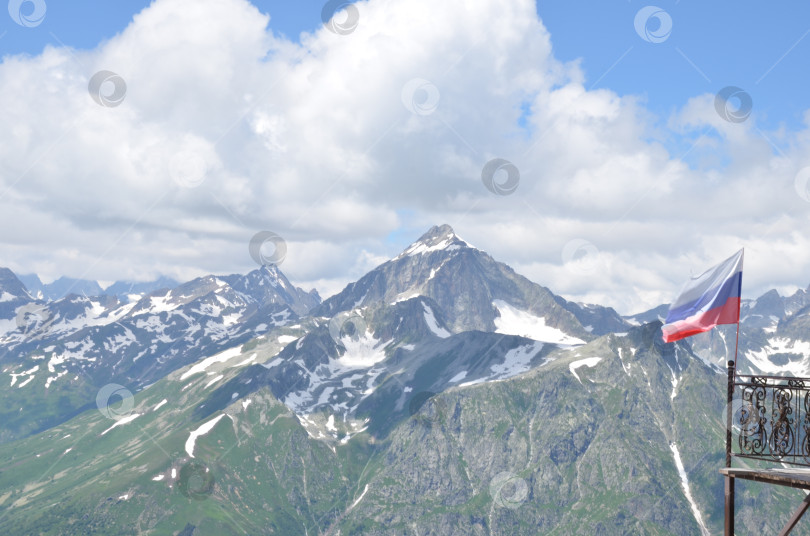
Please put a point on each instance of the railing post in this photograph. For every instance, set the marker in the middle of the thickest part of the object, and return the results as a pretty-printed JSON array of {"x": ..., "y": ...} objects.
[{"x": 729, "y": 491}]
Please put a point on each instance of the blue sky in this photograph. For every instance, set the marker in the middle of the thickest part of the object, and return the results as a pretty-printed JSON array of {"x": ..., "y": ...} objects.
[
  {"x": 761, "y": 47},
  {"x": 226, "y": 130},
  {"x": 85, "y": 23}
]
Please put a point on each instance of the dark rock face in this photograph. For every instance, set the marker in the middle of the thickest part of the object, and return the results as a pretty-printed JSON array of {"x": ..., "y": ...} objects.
[{"x": 464, "y": 282}]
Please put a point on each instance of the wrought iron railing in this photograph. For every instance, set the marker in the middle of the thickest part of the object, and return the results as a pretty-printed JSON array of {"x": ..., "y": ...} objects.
[{"x": 769, "y": 418}]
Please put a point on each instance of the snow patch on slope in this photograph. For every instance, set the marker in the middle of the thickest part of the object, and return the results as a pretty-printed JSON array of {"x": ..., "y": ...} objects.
[
  {"x": 405, "y": 296},
  {"x": 207, "y": 362},
  {"x": 589, "y": 362},
  {"x": 215, "y": 380},
  {"x": 356, "y": 367},
  {"x": 121, "y": 422},
  {"x": 685, "y": 483},
  {"x": 513, "y": 321},
  {"x": 760, "y": 359},
  {"x": 516, "y": 361},
  {"x": 360, "y": 498},
  {"x": 201, "y": 431},
  {"x": 458, "y": 377},
  {"x": 430, "y": 318},
  {"x": 362, "y": 352},
  {"x": 30, "y": 372}
]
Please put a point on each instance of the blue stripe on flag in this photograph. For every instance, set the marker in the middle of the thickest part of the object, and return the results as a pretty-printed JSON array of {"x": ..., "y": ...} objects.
[{"x": 711, "y": 298}]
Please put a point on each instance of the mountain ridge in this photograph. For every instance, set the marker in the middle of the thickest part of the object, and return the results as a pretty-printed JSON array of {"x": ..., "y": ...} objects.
[
  {"x": 57, "y": 356},
  {"x": 587, "y": 441},
  {"x": 441, "y": 393}
]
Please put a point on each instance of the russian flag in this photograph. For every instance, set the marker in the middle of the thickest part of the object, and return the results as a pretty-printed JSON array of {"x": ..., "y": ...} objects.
[{"x": 707, "y": 300}]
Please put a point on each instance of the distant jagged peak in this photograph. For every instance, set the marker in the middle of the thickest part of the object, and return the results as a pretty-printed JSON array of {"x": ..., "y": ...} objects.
[
  {"x": 438, "y": 237},
  {"x": 269, "y": 272},
  {"x": 11, "y": 287}
]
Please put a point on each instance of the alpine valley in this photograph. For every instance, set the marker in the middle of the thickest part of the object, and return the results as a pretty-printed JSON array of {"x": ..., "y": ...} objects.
[{"x": 440, "y": 394}]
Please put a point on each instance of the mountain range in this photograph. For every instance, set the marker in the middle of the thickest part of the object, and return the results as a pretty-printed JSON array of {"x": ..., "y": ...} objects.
[
  {"x": 125, "y": 290},
  {"x": 441, "y": 393}
]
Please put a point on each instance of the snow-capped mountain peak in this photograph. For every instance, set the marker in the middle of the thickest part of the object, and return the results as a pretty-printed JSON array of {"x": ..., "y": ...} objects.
[{"x": 438, "y": 238}]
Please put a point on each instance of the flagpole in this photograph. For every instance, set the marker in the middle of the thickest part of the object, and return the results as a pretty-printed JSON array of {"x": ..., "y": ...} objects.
[
  {"x": 736, "y": 347},
  {"x": 732, "y": 375},
  {"x": 733, "y": 364},
  {"x": 729, "y": 480},
  {"x": 736, "y": 342}
]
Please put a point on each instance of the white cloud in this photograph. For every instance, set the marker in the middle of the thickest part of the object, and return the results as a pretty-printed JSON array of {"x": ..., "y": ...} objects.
[{"x": 227, "y": 129}]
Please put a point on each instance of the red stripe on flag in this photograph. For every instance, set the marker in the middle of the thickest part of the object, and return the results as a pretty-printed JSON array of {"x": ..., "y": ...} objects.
[{"x": 728, "y": 313}]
